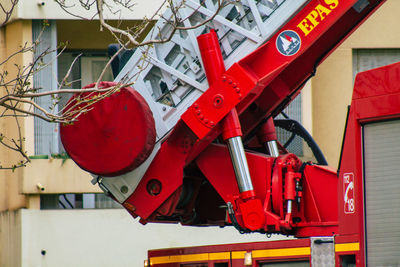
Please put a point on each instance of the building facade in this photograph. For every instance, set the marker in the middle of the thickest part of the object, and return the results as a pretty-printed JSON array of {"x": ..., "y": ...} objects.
[{"x": 50, "y": 213}]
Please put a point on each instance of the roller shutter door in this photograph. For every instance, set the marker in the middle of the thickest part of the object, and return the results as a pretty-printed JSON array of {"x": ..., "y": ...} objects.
[{"x": 382, "y": 193}]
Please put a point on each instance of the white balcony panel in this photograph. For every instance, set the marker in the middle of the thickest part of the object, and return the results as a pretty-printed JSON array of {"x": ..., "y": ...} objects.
[
  {"x": 108, "y": 238},
  {"x": 49, "y": 9}
]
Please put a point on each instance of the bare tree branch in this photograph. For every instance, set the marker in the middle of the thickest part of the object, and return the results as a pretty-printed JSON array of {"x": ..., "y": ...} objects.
[
  {"x": 19, "y": 97},
  {"x": 7, "y": 11}
]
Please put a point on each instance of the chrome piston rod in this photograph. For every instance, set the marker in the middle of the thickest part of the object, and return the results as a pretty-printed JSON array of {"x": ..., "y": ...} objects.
[
  {"x": 273, "y": 148},
  {"x": 239, "y": 163}
]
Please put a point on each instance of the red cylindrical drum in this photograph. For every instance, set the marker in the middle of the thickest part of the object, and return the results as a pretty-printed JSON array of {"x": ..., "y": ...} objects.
[{"x": 114, "y": 137}]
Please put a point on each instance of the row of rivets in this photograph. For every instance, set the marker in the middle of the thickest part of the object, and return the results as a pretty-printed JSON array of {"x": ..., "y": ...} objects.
[
  {"x": 233, "y": 84},
  {"x": 201, "y": 116}
]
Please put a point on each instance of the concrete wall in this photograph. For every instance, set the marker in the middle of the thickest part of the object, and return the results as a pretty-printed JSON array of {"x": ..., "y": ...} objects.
[
  {"x": 332, "y": 86},
  {"x": 107, "y": 238},
  {"x": 10, "y": 239}
]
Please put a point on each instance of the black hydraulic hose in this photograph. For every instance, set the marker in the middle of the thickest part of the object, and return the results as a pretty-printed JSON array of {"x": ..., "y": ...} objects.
[
  {"x": 295, "y": 127},
  {"x": 234, "y": 221}
]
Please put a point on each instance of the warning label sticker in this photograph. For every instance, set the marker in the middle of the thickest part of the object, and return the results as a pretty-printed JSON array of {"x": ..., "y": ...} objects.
[{"x": 348, "y": 193}]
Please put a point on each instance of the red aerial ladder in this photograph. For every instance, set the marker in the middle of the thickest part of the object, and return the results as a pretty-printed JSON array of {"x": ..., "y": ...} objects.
[{"x": 213, "y": 157}]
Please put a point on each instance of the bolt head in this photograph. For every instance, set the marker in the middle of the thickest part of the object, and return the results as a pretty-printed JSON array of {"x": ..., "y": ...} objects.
[{"x": 124, "y": 189}]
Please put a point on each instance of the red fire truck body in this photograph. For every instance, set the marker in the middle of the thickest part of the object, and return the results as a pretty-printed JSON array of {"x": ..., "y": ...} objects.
[{"x": 376, "y": 104}]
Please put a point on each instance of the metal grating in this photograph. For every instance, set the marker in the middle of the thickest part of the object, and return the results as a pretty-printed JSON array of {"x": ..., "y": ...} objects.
[
  {"x": 323, "y": 251},
  {"x": 293, "y": 111}
]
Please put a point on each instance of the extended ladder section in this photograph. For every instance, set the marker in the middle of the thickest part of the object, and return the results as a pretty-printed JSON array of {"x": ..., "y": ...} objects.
[{"x": 170, "y": 76}]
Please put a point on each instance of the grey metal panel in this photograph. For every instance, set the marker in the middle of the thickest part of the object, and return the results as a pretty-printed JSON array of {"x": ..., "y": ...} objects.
[
  {"x": 382, "y": 192},
  {"x": 323, "y": 251},
  {"x": 46, "y": 134}
]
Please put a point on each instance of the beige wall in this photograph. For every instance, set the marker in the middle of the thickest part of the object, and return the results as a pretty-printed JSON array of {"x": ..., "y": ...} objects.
[
  {"x": 15, "y": 35},
  {"x": 60, "y": 176},
  {"x": 333, "y": 84}
]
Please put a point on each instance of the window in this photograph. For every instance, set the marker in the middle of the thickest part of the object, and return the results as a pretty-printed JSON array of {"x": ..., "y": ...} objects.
[
  {"x": 92, "y": 67},
  {"x": 78, "y": 201},
  {"x": 286, "y": 264},
  {"x": 348, "y": 260},
  {"x": 195, "y": 265},
  {"x": 86, "y": 69}
]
